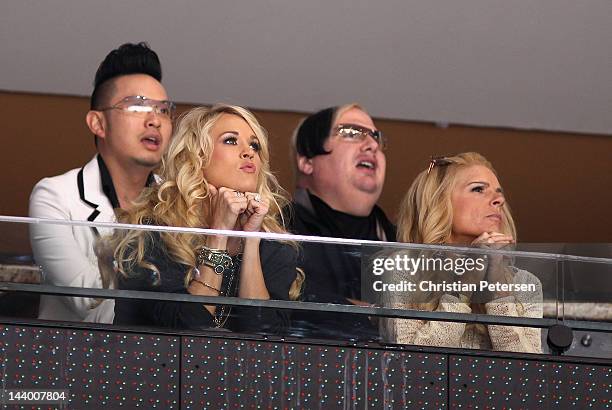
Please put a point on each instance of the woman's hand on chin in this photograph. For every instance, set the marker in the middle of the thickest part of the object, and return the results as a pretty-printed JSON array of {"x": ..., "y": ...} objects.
[
  {"x": 226, "y": 206},
  {"x": 497, "y": 263},
  {"x": 493, "y": 240},
  {"x": 256, "y": 210}
]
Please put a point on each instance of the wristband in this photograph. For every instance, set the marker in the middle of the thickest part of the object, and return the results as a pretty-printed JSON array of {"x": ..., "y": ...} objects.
[{"x": 218, "y": 259}]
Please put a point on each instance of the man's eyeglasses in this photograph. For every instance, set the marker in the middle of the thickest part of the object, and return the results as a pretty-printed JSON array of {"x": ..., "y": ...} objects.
[
  {"x": 356, "y": 133},
  {"x": 139, "y": 104}
]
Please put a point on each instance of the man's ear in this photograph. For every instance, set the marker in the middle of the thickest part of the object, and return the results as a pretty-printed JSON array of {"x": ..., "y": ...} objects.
[
  {"x": 305, "y": 165},
  {"x": 96, "y": 124}
]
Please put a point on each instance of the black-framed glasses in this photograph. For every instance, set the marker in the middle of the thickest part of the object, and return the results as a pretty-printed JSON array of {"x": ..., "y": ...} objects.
[
  {"x": 357, "y": 133},
  {"x": 438, "y": 161},
  {"x": 139, "y": 104}
]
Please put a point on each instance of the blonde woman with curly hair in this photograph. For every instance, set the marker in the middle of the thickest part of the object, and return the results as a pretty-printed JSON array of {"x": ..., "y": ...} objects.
[
  {"x": 216, "y": 174},
  {"x": 458, "y": 200}
]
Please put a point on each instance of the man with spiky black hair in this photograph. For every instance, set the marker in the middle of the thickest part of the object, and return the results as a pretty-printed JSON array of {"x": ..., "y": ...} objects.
[{"x": 131, "y": 119}]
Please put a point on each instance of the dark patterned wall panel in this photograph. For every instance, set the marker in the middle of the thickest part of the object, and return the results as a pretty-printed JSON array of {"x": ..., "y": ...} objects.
[
  {"x": 406, "y": 380},
  {"x": 479, "y": 382},
  {"x": 580, "y": 386},
  {"x": 99, "y": 369},
  {"x": 234, "y": 374},
  {"x": 122, "y": 370},
  {"x": 32, "y": 358}
]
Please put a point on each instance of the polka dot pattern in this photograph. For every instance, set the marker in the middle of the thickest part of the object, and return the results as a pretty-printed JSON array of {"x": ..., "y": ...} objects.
[
  {"x": 122, "y": 370},
  {"x": 520, "y": 384},
  {"x": 100, "y": 369},
  {"x": 127, "y": 370},
  {"x": 248, "y": 374},
  {"x": 32, "y": 358}
]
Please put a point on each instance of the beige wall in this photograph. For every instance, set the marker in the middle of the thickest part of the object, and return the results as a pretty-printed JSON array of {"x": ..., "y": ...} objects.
[{"x": 559, "y": 185}]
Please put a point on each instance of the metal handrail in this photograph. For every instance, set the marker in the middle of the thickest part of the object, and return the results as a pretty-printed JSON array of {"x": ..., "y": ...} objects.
[{"x": 305, "y": 306}]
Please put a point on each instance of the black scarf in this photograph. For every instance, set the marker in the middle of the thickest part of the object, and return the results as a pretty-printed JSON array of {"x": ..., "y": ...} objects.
[{"x": 345, "y": 225}]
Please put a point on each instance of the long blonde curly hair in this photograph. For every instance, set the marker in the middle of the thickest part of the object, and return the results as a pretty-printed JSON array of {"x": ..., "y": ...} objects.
[{"x": 183, "y": 196}]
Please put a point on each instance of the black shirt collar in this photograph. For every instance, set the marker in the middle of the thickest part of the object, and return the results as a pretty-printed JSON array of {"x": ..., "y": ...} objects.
[
  {"x": 107, "y": 183},
  {"x": 342, "y": 224}
]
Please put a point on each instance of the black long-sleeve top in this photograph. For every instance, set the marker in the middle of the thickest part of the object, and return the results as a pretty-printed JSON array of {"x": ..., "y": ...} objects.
[
  {"x": 278, "y": 263},
  {"x": 333, "y": 272}
]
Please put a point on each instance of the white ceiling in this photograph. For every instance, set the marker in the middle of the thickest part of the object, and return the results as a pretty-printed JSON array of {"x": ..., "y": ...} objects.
[{"x": 544, "y": 64}]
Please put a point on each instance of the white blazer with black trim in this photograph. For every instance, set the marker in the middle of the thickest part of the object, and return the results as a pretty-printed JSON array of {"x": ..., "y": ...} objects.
[{"x": 66, "y": 253}]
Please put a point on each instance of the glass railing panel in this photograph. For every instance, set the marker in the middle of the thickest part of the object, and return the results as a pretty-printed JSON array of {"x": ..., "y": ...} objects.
[
  {"x": 461, "y": 282},
  {"x": 17, "y": 265},
  {"x": 586, "y": 284},
  {"x": 308, "y": 287}
]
